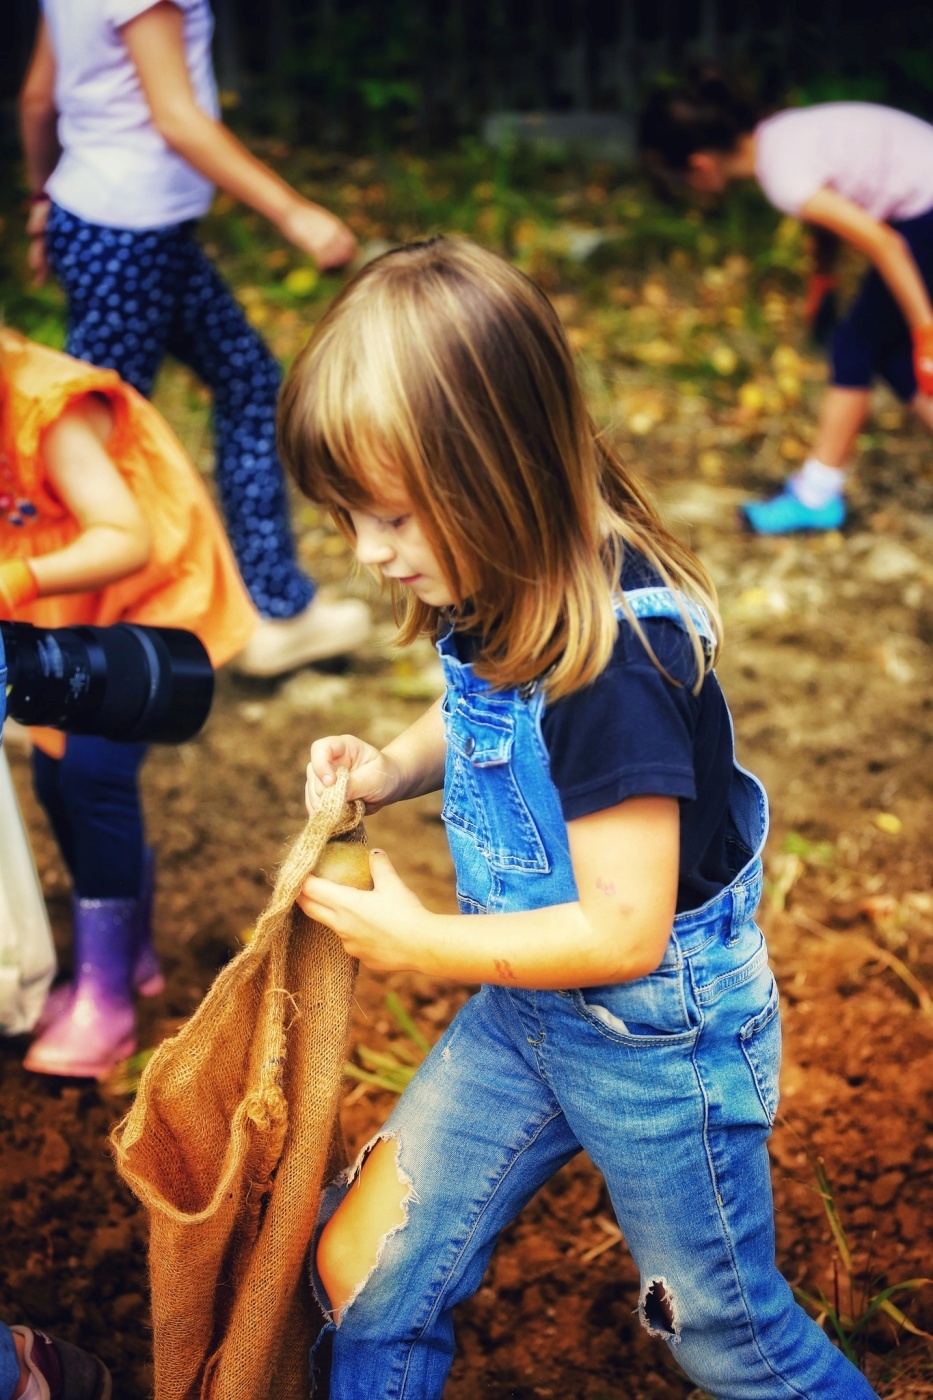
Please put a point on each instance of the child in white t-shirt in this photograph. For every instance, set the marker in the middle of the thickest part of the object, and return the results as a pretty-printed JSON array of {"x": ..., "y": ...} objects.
[
  {"x": 864, "y": 173},
  {"x": 119, "y": 117}
]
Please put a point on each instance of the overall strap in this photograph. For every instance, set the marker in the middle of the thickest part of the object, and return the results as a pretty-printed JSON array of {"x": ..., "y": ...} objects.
[{"x": 665, "y": 602}]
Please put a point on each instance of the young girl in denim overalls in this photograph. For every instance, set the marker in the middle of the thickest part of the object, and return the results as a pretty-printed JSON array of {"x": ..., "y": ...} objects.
[{"x": 607, "y": 847}]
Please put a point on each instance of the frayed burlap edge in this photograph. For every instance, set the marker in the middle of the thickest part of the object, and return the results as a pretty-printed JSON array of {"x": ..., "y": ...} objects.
[{"x": 228, "y": 1142}]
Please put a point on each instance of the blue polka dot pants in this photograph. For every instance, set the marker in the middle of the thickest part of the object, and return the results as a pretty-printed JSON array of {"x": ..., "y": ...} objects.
[{"x": 136, "y": 295}]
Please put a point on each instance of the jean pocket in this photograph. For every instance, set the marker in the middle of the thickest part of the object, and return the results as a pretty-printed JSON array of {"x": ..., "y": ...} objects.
[
  {"x": 760, "y": 1041},
  {"x": 651, "y": 1010},
  {"x": 469, "y": 905}
]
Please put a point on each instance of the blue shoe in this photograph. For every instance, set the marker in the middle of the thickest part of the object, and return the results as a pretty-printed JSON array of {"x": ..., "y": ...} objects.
[{"x": 786, "y": 514}]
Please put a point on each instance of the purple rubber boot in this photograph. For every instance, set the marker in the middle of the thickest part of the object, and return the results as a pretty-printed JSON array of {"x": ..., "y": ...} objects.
[
  {"x": 98, "y": 1027},
  {"x": 148, "y": 978}
]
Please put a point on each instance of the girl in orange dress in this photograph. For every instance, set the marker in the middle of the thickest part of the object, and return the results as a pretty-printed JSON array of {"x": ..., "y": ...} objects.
[{"x": 102, "y": 519}]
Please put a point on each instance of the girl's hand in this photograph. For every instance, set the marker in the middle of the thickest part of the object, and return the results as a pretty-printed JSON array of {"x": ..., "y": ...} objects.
[
  {"x": 18, "y": 586},
  {"x": 923, "y": 357},
  {"x": 387, "y": 927},
  {"x": 375, "y": 778},
  {"x": 320, "y": 234}
]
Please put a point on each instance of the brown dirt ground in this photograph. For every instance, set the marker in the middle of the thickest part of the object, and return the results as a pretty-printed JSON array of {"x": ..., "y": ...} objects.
[{"x": 828, "y": 667}]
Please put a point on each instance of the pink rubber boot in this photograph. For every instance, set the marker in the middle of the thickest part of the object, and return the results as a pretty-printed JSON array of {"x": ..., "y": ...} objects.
[
  {"x": 148, "y": 978},
  {"x": 98, "y": 1027}
]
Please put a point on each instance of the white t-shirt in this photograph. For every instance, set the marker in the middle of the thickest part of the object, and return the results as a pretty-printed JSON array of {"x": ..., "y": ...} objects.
[
  {"x": 115, "y": 168},
  {"x": 877, "y": 157}
]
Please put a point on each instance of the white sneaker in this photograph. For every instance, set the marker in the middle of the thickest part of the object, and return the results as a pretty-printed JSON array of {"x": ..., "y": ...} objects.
[{"x": 323, "y": 630}]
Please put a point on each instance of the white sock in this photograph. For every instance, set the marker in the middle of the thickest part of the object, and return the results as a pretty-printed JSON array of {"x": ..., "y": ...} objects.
[{"x": 816, "y": 484}]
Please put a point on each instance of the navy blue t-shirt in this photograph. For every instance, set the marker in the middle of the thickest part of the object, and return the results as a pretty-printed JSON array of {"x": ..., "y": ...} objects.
[{"x": 631, "y": 733}]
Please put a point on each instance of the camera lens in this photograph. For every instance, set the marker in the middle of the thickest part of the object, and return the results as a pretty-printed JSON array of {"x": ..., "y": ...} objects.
[{"x": 125, "y": 682}]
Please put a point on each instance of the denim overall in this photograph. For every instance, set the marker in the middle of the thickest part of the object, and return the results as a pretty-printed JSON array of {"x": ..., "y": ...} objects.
[{"x": 668, "y": 1082}]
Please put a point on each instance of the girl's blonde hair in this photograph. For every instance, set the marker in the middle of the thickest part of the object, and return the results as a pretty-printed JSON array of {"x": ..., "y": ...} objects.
[{"x": 442, "y": 373}]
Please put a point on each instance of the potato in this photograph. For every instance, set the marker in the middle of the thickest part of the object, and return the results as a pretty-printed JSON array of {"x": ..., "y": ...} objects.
[{"x": 346, "y": 863}]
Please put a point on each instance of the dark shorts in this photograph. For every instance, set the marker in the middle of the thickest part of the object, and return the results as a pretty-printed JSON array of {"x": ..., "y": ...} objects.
[{"x": 874, "y": 339}]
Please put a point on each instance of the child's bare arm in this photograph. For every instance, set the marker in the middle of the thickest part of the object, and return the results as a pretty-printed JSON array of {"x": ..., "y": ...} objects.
[
  {"x": 38, "y": 123},
  {"x": 879, "y": 242},
  {"x": 114, "y": 539},
  {"x": 625, "y": 862},
  {"x": 37, "y": 114},
  {"x": 892, "y": 257},
  {"x": 411, "y": 765},
  {"x": 155, "y": 40}
]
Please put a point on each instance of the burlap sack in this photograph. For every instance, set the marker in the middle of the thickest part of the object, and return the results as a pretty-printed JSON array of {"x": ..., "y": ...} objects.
[{"x": 230, "y": 1136}]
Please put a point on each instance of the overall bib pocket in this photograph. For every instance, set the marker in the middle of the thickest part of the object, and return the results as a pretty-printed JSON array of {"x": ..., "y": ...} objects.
[{"x": 482, "y": 799}]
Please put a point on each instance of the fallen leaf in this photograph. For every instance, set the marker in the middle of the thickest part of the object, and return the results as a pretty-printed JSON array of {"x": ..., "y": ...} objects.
[
  {"x": 711, "y": 464},
  {"x": 657, "y": 352},
  {"x": 792, "y": 449},
  {"x": 785, "y": 360},
  {"x": 301, "y": 281},
  {"x": 723, "y": 359},
  {"x": 751, "y": 397}
]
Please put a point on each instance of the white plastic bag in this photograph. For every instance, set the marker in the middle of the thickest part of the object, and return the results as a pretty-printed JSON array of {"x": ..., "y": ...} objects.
[{"x": 27, "y": 954}]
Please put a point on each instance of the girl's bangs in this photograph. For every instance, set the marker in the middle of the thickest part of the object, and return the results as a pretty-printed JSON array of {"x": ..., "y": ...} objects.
[{"x": 350, "y": 448}]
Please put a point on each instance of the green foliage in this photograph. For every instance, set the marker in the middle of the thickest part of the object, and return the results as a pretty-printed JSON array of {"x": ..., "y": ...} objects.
[
  {"x": 380, "y": 94},
  {"x": 393, "y": 1069},
  {"x": 903, "y": 78},
  {"x": 853, "y": 1304},
  {"x": 356, "y": 69},
  {"x": 810, "y": 852},
  {"x": 124, "y": 1078}
]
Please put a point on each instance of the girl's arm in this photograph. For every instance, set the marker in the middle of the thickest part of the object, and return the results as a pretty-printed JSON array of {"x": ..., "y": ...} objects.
[
  {"x": 894, "y": 261},
  {"x": 155, "y": 40},
  {"x": 411, "y": 765},
  {"x": 625, "y": 861},
  {"x": 114, "y": 539},
  {"x": 822, "y": 283},
  {"x": 37, "y": 115},
  {"x": 38, "y": 121}
]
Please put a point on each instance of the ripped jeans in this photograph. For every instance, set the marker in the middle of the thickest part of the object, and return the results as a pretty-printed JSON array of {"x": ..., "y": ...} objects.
[{"x": 670, "y": 1084}]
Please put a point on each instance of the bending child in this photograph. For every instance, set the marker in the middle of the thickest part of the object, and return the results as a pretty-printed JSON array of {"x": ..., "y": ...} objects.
[
  {"x": 119, "y": 118},
  {"x": 864, "y": 173},
  {"x": 607, "y": 847},
  {"x": 102, "y": 519}
]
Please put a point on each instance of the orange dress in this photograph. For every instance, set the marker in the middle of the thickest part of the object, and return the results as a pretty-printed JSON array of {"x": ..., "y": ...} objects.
[{"x": 191, "y": 579}]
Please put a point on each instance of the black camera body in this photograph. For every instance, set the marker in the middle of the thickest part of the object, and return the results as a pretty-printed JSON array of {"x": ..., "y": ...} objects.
[{"x": 126, "y": 682}]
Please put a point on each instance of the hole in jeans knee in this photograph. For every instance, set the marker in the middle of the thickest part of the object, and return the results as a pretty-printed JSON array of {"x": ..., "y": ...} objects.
[
  {"x": 374, "y": 1209},
  {"x": 657, "y": 1310}
]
